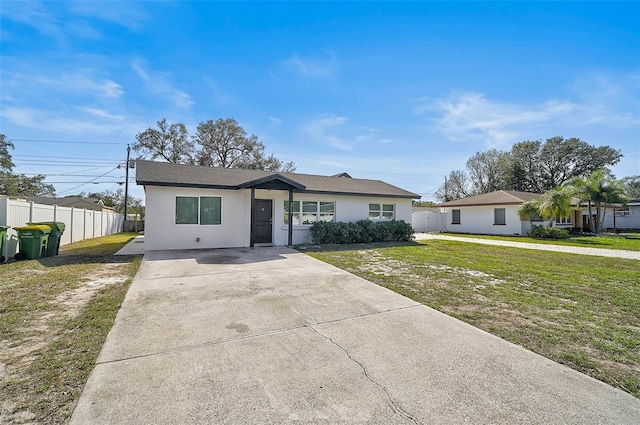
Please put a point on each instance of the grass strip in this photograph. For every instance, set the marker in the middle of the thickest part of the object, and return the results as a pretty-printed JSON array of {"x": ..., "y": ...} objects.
[{"x": 581, "y": 311}]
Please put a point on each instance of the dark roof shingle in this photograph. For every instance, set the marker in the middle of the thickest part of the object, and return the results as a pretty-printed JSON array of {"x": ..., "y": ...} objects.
[
  {"x": 151, "y": 173},
  {"x": 500, "y": 197}
]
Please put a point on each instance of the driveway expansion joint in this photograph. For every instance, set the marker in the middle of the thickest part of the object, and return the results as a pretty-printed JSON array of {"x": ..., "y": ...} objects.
[
  {"x": 394, "y": 405},
  {"x": 247, "y": 337}
]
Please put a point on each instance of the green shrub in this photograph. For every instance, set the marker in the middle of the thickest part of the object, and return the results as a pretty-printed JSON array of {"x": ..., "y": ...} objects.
[
  {"x": 545, "y": 232},
  {"x": 363, "y": 231}
]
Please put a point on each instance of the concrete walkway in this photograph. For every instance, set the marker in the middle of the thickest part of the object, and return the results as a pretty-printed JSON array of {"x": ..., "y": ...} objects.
[
  {"x": 600, "y": 252},
  {"x": 273, "y": 336}
]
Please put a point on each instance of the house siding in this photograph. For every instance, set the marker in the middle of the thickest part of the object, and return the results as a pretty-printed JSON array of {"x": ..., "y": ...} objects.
[
  {"x": 480, "y": 220},
  {"x": 161, "y": 232}
]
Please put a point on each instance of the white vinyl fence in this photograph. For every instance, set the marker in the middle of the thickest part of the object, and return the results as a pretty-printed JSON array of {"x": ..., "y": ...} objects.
[{"x": 80, "y": 223}]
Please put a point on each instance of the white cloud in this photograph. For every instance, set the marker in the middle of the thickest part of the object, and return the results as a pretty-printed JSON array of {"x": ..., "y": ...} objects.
[
  {"x": 75, "y": 121},
  {"x": 123, "y": 13},
  {"x": 321, "y": 130},
  {"x": 336, "y": 131},
  {"x": 80, "y": 82},
  {"x": 473, "y": 117},
  {"x": 316, "y": 67},
  {"x": 157, "y": 83}
]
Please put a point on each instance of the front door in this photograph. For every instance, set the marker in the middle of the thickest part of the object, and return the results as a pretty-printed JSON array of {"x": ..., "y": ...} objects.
[{"x": 262, "y": 221}]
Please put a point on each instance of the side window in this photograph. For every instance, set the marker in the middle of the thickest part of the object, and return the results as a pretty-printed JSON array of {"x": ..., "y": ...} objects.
[
  {"x": 210, "y": 210},
  {"x": 382, "y": 211},
  {"x": 186, "y": 210},
  {"x": 455, "y": 216},
  {"x": 499, "y": 216},
  {"x": 205, "y": 210}
]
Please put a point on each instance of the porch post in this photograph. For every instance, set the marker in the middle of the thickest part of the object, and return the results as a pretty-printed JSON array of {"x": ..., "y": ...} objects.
[
  {"x": 290, "y": 243},
  {"x": 253, "y": 202}
]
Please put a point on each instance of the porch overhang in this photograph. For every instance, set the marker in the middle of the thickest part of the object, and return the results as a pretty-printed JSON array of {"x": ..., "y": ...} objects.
[{"x": 272, "y": 182}]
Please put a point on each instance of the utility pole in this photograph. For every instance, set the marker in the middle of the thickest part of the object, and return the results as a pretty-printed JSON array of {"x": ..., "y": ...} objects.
[
  {"x": 446, "y": 197},
  {"x": 126, "y": 185}
]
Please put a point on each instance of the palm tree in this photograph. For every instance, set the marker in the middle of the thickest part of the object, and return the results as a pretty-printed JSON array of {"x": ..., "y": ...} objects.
[
  {"x": 599, "y": 189},
  {"x": 529, "y": 209},
  {"x": 555, "y": 203}
]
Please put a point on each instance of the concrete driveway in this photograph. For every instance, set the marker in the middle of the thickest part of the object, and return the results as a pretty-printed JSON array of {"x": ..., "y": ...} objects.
[{"x": 272, "y": 336}]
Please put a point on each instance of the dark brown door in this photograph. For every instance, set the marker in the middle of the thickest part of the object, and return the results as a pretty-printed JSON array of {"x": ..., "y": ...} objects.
[{"x": 262, "y": 221}]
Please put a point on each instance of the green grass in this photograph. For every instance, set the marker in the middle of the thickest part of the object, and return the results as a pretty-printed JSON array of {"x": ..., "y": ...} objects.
[
  {"x": 627, "y": 242},
  {"x": 582, "y": 311},
  {"x": 52, "y": 330}
]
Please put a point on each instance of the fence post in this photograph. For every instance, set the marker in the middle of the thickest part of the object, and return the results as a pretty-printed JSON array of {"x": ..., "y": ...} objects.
[
  {"x": 71, "y": 226},
  {"x": 93, "y": 224},
  {"x": 84, "y": 223},
  {"x": 31, "y": 212},
  {"x": 55, "y": 212},
  {"x": 4, "y": 204}
]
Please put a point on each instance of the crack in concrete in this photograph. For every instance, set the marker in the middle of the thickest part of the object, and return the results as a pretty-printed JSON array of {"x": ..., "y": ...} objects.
[
  {"x": 394, "y": 405},
  {"x": 243, "y": 338}
]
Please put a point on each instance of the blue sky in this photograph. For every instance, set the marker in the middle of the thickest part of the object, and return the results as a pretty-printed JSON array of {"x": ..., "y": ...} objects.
[{"x": 402, "y": 92}]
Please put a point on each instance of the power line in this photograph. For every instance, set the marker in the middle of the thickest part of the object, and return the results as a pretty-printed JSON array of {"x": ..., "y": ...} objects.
[
  {"x": 67, "y": 141},
  {"x": 90, "y": 181}
]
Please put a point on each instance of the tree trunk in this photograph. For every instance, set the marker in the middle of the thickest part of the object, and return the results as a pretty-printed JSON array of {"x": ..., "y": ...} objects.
[{"x": 592, "y": 227}]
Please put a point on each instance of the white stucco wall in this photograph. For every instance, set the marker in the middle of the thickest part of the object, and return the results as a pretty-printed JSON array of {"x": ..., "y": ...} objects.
[
  {"x": 480, "y": 220},
  {"x": 624, "y": 220},
  {"x": 161, "y": 232}
]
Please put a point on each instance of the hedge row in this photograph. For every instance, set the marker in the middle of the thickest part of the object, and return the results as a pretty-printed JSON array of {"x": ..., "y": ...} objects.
[
  {"x": 363, "y": 231},
  {"x": 546, "y": 232}
]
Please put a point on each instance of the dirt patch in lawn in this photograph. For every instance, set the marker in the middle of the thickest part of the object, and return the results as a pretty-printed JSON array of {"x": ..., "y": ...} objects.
[{"x": 54, "y": 316}]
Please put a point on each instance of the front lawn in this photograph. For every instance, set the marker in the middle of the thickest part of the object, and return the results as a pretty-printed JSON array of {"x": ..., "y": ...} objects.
[
  {"x": 55, "y": 314},
  {"x": 627, "y": 242},
  {"x": 582, "y": 311}
]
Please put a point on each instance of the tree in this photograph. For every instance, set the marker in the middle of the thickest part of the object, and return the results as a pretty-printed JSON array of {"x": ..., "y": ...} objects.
[
  {"x": 599, "y": 189},
  {"x": 529, "y": 209},
  {"x": 487, "y": 170},
  {"x": 456, "y": 186},
  {"x": 632, "y": 186},
  {"x": 534, "y": 166},
  {"x": 224, "y": 143},
  {"x": 555, "y": 203},
  {"x": 12, "y": 184},
  {"x": 169, "y": 142}
]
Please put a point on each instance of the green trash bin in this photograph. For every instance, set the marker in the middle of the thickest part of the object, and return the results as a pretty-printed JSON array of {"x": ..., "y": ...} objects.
[
  {"x": 57, "y": 229},
  {"x": 3, "y": 236},
  {"x": 33, "y": 241}
]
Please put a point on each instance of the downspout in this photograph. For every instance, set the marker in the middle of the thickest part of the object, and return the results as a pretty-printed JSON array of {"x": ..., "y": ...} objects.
[{"x": 290, "y": 221}]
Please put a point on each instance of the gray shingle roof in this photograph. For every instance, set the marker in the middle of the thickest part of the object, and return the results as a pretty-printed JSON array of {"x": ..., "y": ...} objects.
[
  {"x": 151, "y": 173},
  {"x": 500, "y": 197}
]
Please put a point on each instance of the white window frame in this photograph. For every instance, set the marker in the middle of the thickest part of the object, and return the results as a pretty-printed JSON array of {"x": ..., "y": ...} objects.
[
  {"x": 378, "y": 214},
  {"x": 300, "y": 213},
  {"x": 563, "y": 220},
  {"x": 175, "y": 212}
]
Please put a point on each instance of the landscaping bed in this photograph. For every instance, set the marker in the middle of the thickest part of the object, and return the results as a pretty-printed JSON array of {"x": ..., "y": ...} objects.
[
  {"x": 581, "y": 311},
  {"x": 55, "y": 314}
]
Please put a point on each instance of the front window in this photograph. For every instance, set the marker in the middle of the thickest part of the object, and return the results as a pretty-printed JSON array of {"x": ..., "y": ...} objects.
[
  {"x": 563, "y": 220},
  {"x": 382, "y": 211},
  {"x": 455, "y": 216},
  {"x": 204, "y": 210},
  {"x": 499, "y": 216},
  {"x": 296, "y": 214},
  {"x": 308, "y": 212}
]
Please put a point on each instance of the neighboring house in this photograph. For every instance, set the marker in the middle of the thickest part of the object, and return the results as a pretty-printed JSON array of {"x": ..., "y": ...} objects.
[
  {"x": 495, "y": 213},
  {"x": 618, "y": 217},
  {"x": 86, "y": 203},
  {"x": 205, "y": 207}
]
